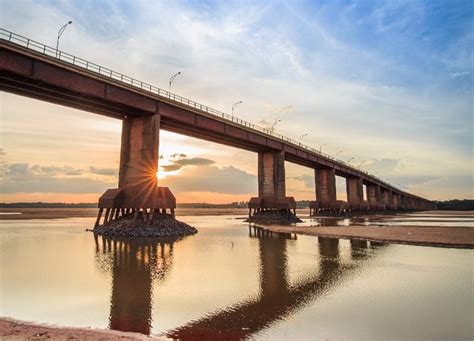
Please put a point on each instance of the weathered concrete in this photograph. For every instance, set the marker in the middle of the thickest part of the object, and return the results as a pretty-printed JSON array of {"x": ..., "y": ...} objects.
[
  {"x": 138, "y": 183},
  {"x": 355, "y": 193},
  {"x": 386, "y": 198},
  {"x": 271, "y": 184},
  {"x": 271, "y": 175},
  {"x": 374, "y": 197},
  {"x": 395, "y": 201},
  {"x": 326, "y": 188},
  {"x": 139, "y": 154}
]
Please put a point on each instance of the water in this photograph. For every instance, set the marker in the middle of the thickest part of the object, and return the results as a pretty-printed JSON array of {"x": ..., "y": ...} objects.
[{"x": 228, "y": 281}]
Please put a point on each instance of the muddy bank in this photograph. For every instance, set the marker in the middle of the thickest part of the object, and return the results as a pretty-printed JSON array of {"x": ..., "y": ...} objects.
[
  {"x": 11, "y": 329},
  {"x": 456, "y": 237}
]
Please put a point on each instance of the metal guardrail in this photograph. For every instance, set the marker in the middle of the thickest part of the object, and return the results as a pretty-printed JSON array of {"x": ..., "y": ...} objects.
[{"x": 103, "y": 71}]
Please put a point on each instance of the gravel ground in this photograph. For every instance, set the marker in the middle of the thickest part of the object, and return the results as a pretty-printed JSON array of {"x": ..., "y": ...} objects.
[
  {"x": 163, "y": 226},
  {"x": 274, "y": 217}
]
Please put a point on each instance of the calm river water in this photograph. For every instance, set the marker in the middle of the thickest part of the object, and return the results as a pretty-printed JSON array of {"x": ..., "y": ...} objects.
[{"x": 228, "y": 281}]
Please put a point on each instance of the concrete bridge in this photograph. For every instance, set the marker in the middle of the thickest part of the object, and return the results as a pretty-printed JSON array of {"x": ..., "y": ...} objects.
[{"x": 31, "y": 69}]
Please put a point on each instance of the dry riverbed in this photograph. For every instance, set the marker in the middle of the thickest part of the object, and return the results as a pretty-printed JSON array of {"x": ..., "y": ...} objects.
[
  {"x": 459, "y": 237},
  {"x": 11, "y": 329}
]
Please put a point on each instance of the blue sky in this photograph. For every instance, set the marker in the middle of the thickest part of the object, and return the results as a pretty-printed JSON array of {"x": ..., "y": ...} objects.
[{"x": 388, "y": 82}]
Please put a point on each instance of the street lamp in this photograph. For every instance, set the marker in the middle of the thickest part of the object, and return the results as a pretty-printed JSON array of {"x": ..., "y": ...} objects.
[
  {"x": 321, "y": 146},
  {"x": 301, "y": 138},
  {"x": 350, "y": 160},
  {"x": 60, "y": 33},
  {"x": 172, "y": 79},
  {"x": 273, "y": 125},
  {"x": 339, "y": 152},
  {"x": 234, "y": 106}
]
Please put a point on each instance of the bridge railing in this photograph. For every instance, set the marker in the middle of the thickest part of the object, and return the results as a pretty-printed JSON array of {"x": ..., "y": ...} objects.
[{"x": 104, "y": 71}]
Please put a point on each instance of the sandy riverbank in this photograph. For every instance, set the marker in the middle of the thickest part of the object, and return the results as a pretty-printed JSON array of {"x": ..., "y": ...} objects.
[
  {"x": 11, "y": 329},
  {"x": 459, "y": 237}
]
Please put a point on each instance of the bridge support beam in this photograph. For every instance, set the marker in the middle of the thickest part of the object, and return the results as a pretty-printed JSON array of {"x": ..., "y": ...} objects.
[
  {"x": 271, "y": 184},
  {"x": 138, "y": 184},
  {"x": 326, "y": 187},
  {"x": 374, "y": 197},
  {"x": 396, "y": 200},
  {"x": 325, "y": 183},
  {"x": 355, "y": 193},
  {"x": 386, "y": 198},
  {"x": 271, "y": 175}
]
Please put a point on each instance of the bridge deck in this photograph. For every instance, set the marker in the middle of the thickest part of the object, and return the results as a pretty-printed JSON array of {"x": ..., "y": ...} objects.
[{"x": 35, "y": 70}]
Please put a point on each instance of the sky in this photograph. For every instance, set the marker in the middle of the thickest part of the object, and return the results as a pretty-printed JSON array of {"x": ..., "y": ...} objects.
[{"x": 386, "y": 85}]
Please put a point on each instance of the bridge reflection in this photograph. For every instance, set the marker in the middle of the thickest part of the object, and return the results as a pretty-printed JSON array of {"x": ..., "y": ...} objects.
[
  {"x": 278, "y": 299},
  {"x": 135, "y": 264}
]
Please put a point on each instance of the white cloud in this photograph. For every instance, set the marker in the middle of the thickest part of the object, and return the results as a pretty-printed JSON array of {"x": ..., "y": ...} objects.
[{"x": 298, "y": 70}]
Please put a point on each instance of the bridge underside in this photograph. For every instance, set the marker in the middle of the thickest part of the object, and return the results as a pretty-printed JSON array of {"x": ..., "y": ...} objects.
[{"x": 31, "y": 74}]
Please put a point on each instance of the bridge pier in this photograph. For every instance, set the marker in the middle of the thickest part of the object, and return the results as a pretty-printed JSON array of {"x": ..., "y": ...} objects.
[
  {"x": 271, "y": 184},
  {"x": 374, "y": 197},
  {"x": 138, "y": 189},
  {"x": 396, "y": 200},
  {"x": 325, "y": 183},
  {"x": 386, "y": 198},
  {"x": 355, "y": 193}
]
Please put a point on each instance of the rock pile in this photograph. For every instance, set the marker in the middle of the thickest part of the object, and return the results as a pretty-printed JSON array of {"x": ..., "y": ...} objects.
[
  {"x": 163, "y": 225},
  {"x": 274, "y": 217}
]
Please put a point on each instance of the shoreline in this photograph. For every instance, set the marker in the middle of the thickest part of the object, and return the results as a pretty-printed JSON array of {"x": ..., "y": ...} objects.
[
  {"x": 13, "y": 329},
  {"x": 434, "y": 236},
  {"x": 62, "y": 213}
]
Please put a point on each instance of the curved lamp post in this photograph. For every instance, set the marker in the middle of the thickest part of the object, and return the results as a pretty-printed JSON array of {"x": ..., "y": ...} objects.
[
  {"x": 272, "y": 129},
  {"x": 60, "y": 33},
  {"x": 301, "y": 138},
  {"x": 172, "y": 79},
  {"x": 234, "y": 106}
]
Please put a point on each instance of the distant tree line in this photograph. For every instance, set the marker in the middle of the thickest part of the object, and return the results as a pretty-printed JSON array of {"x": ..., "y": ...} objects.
[
  {"x": 456, "y": 205},
  {"x": 47, "y": 205},
  {"x": 236, "y": 204}
]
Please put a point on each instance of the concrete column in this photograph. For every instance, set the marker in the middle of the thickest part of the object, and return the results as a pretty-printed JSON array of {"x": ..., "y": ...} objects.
[
  {"x": 271, "y": 175},
  {"x": 325, "y": 187},
  {"x": 403, "y": 202},
  {"x": 355, "y": 192},
  {"x": 395, "y": 201},
  {"x": 374, "y": 197},
  {"x": 386, "y": 198},
  {"x": 139, "y": 152}
]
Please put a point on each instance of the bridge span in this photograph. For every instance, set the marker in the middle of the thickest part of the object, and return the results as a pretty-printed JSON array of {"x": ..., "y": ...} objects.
[{"x": 32, "y": 69}]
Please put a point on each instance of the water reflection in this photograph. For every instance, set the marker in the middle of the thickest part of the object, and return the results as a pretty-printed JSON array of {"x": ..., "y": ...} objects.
[
  {"x": 278, "y": 299},
  {"x": 134, "y": 265}
]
